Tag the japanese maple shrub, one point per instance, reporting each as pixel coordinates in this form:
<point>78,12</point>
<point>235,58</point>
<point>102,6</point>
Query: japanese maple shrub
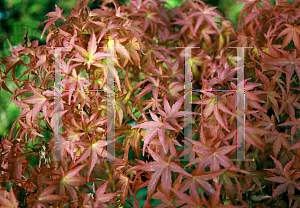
<point>149,63</point>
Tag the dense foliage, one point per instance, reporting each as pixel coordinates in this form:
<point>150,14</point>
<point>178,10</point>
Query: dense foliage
<point>149,109</point>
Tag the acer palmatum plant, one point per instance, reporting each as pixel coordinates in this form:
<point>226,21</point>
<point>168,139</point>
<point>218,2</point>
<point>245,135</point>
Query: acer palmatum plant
<point>149,91</point>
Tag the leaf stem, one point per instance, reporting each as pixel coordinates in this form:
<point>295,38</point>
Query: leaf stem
<point>107,166</point>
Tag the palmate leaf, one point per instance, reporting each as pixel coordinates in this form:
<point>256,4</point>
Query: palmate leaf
<point>99,198</point>
<point>154,86</point>
<point>205,13</point>
<point>199,178</point>
<point>90,56</point>
<point>124,186</point>
<point>253,135</point>
<point>42,199</point>
<point>279,139</point>
<point>186,21</point>
<point>214,202</point>
<point>290,101</point>
<point>156,127</point>
<point>14,60</point>
<point>170,143</point>
<point>39,102</point>
<point>168,201</point>
<point>54,16</point>
<point>290,61</point>
<point>9,201</point>
<point>93,150</point>
<point>163,168</point>
<point>252,99</point>
<point>286,177</point>
<point>271,94</point>
<point>192,201</point>
<point>171,113</point>
<point>295,123</point>
<point>212,105</point>
<point>292,33</point>
<point>66,181</point>
<point>119,50</point>
<point>133,47</point>
<point>214,157</point>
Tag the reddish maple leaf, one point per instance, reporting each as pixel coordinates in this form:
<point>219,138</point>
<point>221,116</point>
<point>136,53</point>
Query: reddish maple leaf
<point>174,88</point>
<point>58,14</point>
<point>253,135</point>
<point>214,157</point>
<point>93,150</point>
<point>133,47</point>
<point>168,201</point>
<point>90,56</point>
<point>271,94</point>
<point>290,102</point>
<point>269,123</point>
<point>151,20</point>
<point>150,103</point>
<point>252,99</point>
<point>174,71</point>
<point>39,102</point>
<point>199,178</point>
<point>66,181</point>
<point>163,168</point>
<point>295,123</point>
<point>205,13</point>
<point>154,87</point>
<point>124,186</point>
<point>119,49</point>
<point>214,202</point>
<point>171,113</point>
<point>279,139</point>
<point>44,197</point>
<point>99,198</point>
<point>192,201</point>
<point>170,143</point>
<point>164,35</point>
<point>156,127</point>
<point>297,201</point>
<point>213,104</point>
<point>291,62</point>
<point>285,176</point>
<point>9,200</point>
<point>293,33</point>
<point>14,60</point>
<point>168,198</point>
<point>186,20</point>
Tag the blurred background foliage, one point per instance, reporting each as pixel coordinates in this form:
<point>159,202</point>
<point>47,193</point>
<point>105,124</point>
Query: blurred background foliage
<point>17,14</point>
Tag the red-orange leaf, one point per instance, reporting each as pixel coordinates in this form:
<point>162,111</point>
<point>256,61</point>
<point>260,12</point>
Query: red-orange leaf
<point>293,33</point>
<point>163,168</point>
<point>54,16</point>
<point>9,201</point>
<point>156,127</point>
